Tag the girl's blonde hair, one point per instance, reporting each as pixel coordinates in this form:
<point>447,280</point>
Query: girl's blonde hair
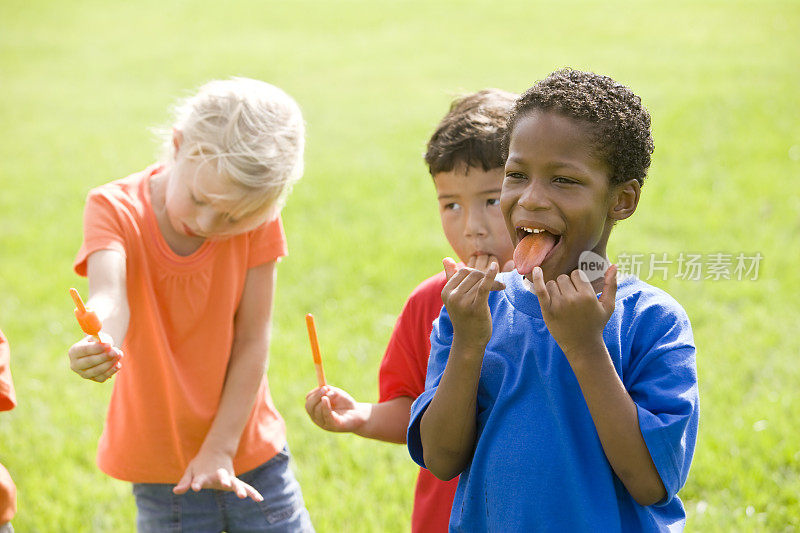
<point>251,132</point>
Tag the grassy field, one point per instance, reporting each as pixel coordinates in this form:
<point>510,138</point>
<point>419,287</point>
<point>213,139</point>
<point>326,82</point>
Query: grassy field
<point>83,81</point>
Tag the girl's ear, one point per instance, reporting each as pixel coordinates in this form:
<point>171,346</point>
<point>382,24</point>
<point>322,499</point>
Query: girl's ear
<point>624,199</point>
<point>177,140</point>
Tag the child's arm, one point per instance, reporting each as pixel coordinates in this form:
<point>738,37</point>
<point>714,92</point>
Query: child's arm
<point>447,429</point>
<point>333,409</point>
<point>212,467</point>
<point>575,318</point>
<point>108,297</point>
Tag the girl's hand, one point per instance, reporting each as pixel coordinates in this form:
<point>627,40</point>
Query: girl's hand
<point>466,297</point>
<point>333,409</point>
<point>95,360</point>
<point>574,315</point>
<point>214,470</point>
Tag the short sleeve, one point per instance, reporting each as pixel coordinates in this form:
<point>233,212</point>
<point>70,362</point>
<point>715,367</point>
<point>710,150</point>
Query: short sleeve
<point>267,243</point>
<point>662,381</point>
<point>441,341</point>
<point>8,399</point>
<point>404,364</point>
<point>102,230</point>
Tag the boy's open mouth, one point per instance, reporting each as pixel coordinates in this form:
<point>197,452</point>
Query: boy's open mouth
<point>534,245</point>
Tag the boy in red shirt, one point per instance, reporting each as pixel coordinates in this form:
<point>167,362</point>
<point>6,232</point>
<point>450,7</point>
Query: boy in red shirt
<point>8,491</point>
<point>465,161</point>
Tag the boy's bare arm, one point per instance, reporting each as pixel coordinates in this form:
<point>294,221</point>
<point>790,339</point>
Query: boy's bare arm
<point>388,421</point>
<point>447,428</point>
<point>333,409</point>
<point>575,318</point>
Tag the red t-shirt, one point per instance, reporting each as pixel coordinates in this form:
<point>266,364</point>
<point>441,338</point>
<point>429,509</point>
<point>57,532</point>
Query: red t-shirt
<point>402,373</point>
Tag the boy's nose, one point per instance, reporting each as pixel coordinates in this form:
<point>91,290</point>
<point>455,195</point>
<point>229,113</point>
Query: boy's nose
<point>534,196</point>
<point>476,223</point>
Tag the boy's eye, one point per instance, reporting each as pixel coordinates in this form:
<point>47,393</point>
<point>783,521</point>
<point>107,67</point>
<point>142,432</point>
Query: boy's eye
<point>493,201</point>
<point>562,179</point>
<point>452,206</point>
<point>517,176</point>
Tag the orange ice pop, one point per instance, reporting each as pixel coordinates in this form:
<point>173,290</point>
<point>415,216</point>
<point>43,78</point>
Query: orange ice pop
<point>312,337</point>
<point>87,318</point>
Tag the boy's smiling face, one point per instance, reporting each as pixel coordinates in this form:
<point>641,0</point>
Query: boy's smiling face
<point>469,206</point>
<point>556,200</point>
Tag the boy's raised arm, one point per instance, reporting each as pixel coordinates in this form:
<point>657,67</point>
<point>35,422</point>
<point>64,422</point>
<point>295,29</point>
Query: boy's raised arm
<point>447,428</point>
<point>576,318</point>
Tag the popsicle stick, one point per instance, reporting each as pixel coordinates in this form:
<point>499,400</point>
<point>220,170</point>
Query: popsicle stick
<point>312,337</point>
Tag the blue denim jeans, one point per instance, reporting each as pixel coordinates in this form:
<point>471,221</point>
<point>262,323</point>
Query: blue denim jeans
<point>213,511</point>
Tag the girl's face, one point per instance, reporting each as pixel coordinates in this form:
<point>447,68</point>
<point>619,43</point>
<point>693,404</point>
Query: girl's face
<point>195,203</point>
<point>556,198</point>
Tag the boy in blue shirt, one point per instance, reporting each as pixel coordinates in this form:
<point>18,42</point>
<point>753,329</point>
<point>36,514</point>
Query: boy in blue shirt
<point>566,404</point>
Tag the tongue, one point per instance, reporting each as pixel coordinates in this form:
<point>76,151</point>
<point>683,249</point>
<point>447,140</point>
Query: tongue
<point>531,251</point>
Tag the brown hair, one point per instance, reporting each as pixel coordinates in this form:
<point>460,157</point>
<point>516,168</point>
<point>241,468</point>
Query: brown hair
<point>471,132</point>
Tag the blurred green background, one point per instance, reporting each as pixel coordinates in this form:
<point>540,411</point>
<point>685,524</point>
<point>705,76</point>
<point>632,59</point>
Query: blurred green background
<point>83,82</point>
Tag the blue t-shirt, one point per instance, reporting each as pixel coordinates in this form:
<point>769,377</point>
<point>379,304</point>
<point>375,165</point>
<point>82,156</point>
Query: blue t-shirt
<point>538,464</point>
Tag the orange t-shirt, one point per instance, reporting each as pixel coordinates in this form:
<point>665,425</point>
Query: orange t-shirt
<point>8,398</point>
<point>8,491</point>
<point>179,338</point>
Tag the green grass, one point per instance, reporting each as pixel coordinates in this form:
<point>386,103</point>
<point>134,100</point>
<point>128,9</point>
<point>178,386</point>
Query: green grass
<point>82,82</point>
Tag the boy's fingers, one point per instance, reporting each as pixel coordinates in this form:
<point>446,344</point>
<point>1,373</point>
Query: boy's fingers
<point>455,280</point>
<point>509,266</point>
<point>553,291</point>
<point>487,283</point>
<point>472,261</point>
<point>581,282</point>
<point>565,284</point>
<point>609,289</point>
<point>539,288</point>
<point>327,411</point>
<point>449,267</point>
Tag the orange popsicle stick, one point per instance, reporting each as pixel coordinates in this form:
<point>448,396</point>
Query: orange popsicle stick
<point>87,318</point>
<point>312,338</point>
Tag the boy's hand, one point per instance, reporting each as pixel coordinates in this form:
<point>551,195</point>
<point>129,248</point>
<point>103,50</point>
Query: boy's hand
<point>333,409</point>
<point>210,470</point>
<point>94,360</point>
<point>482,262</point>
<point>466,297</point>
<point>574,315</point>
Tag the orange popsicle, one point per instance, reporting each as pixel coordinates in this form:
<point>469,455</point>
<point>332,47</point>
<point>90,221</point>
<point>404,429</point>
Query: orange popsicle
<point>312,337</point>
<point>87,318</point>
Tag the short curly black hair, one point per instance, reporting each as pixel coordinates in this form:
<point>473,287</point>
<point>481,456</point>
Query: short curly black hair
<point>619,123</point>
<point>471,133</point>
